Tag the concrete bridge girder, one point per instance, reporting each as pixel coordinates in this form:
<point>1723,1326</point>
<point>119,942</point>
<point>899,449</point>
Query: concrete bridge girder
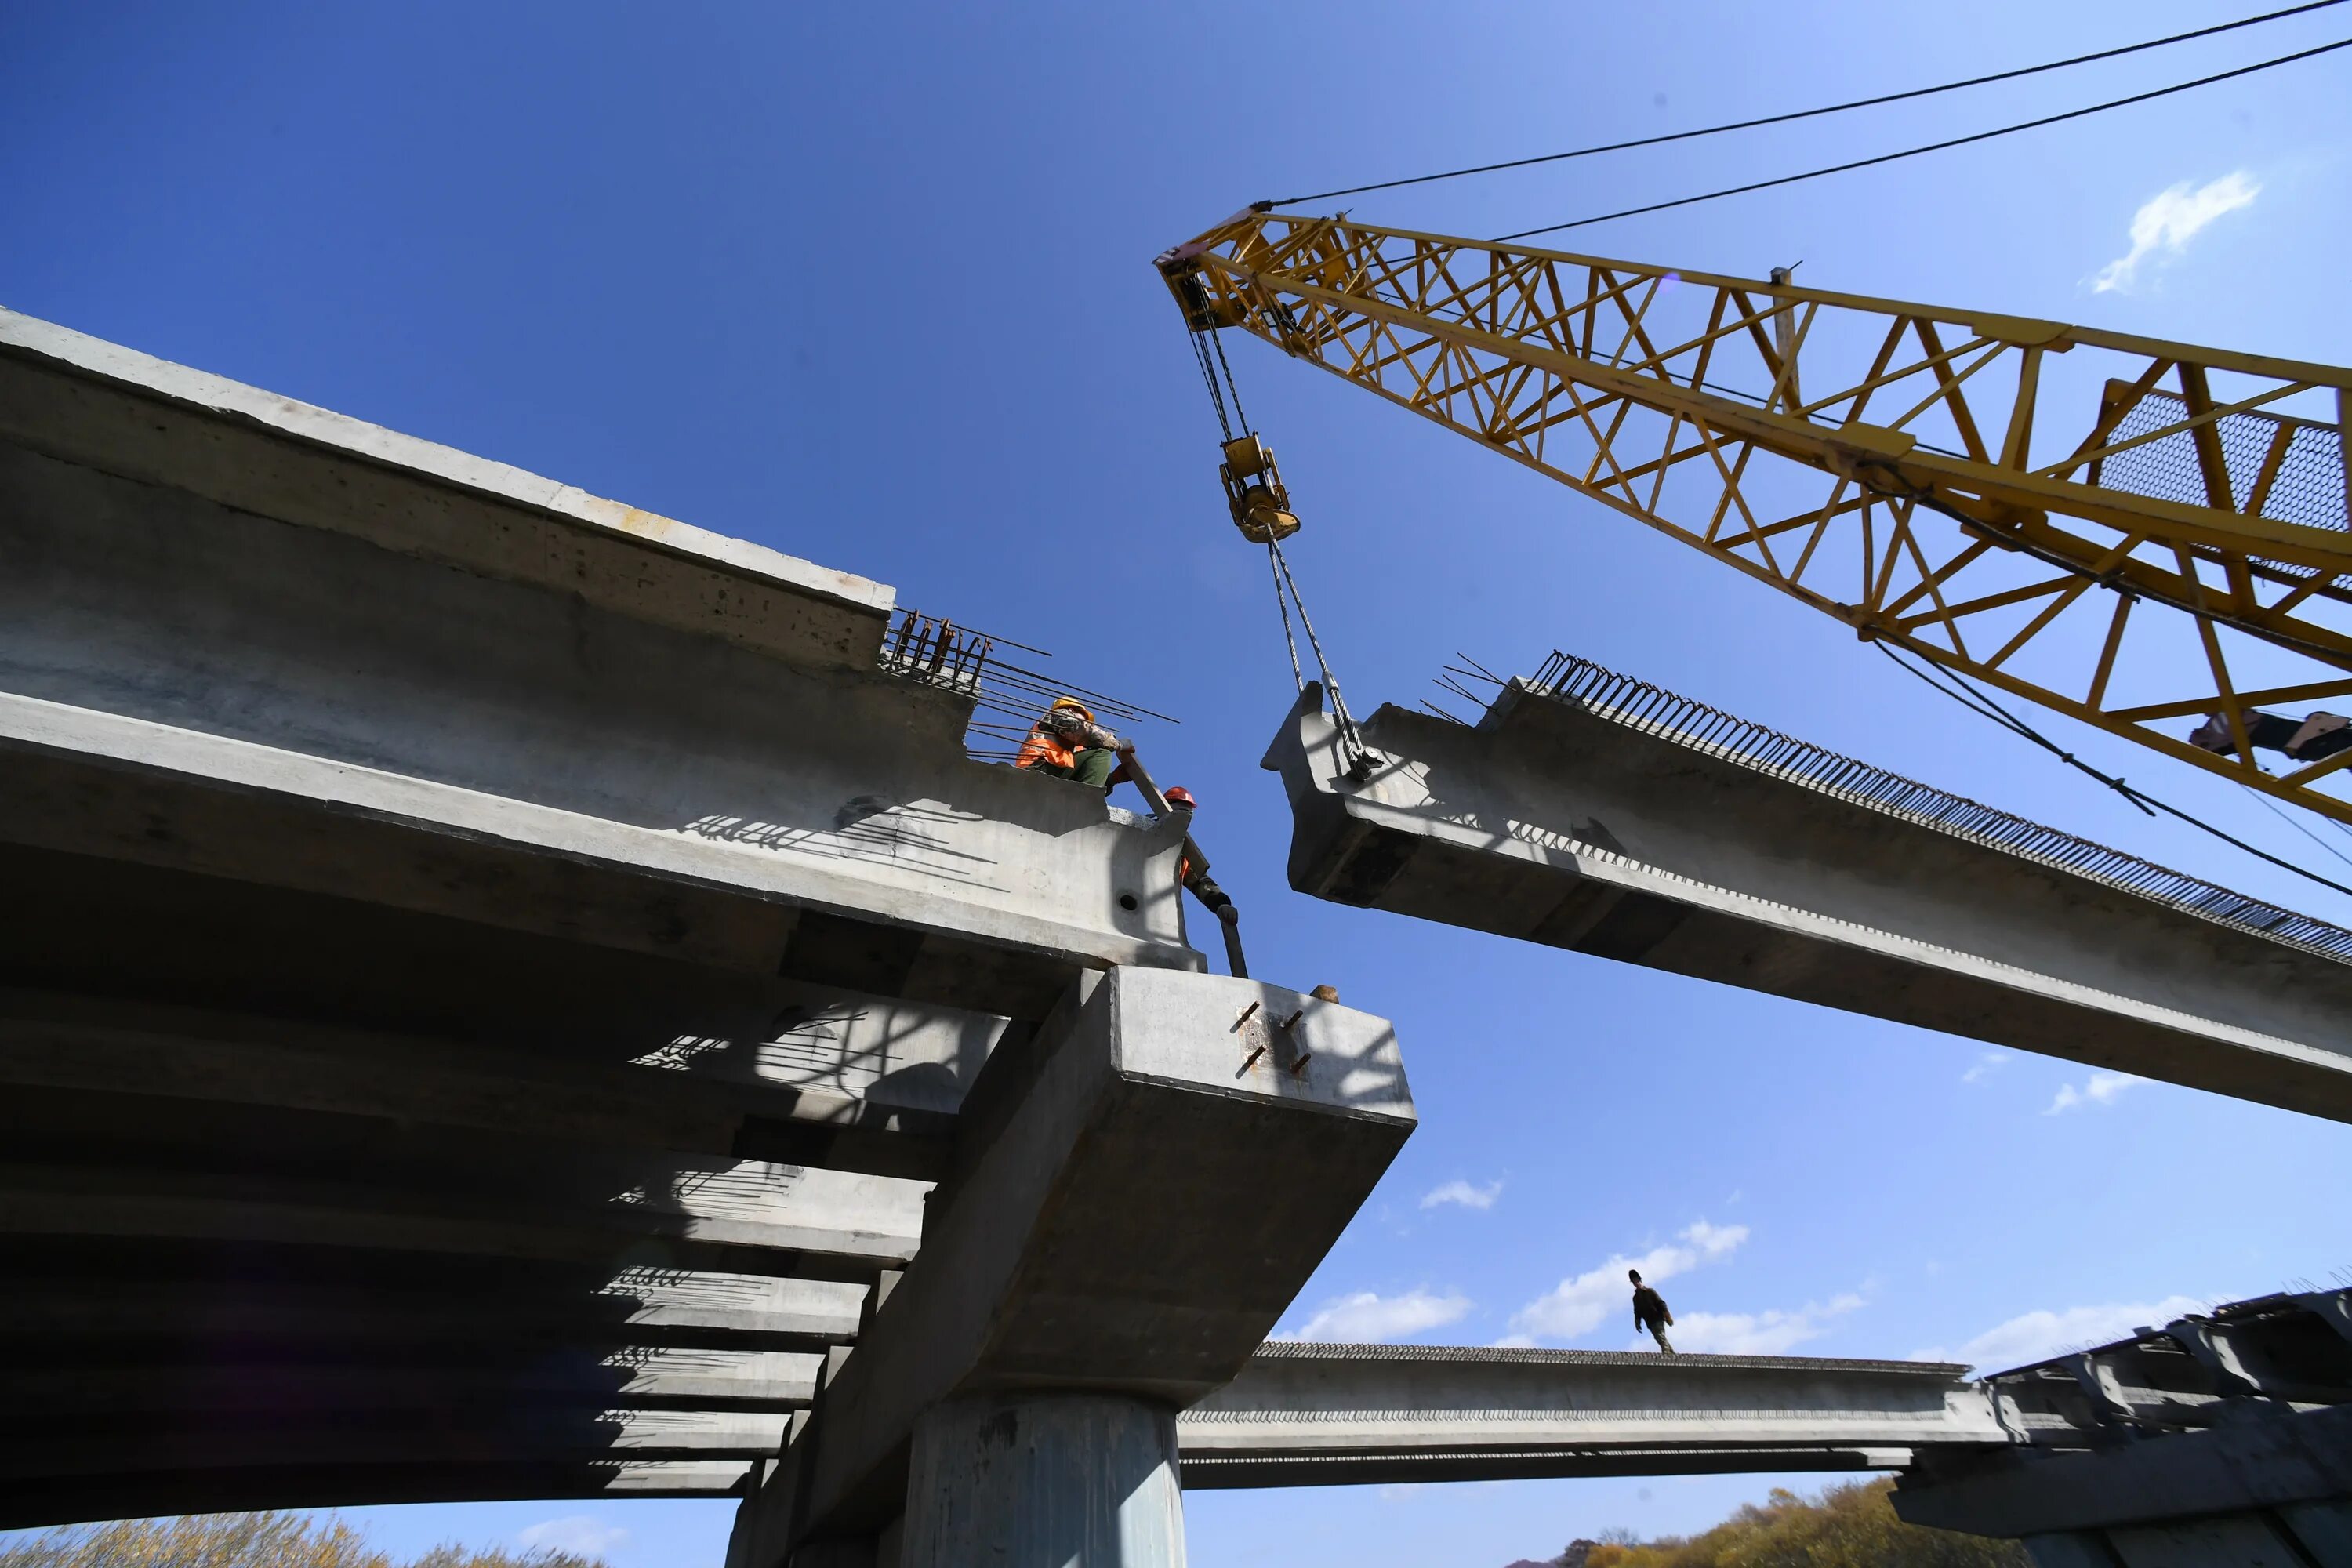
<point>1559,824</point>
<point>491,976</point>
<point>261,641</point>
<point>1342,1414</point>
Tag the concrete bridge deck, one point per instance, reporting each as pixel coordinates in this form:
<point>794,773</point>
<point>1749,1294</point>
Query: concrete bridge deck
<point>1601,816</point>
<point>494,981</point>
<point>506,995</point>
<point>1326,1414</point>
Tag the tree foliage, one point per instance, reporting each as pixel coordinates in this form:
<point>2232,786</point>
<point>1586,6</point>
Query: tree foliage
<point>1848,1526</point>
<point>248,1540</point>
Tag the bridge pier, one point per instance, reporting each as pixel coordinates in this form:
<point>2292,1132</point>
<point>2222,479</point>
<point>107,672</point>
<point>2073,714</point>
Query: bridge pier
<point>1042,1481</point>
<point>1134,1196</point>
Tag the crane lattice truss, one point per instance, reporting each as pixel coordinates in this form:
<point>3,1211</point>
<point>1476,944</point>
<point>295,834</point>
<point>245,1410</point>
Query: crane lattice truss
<point>2131,532</point>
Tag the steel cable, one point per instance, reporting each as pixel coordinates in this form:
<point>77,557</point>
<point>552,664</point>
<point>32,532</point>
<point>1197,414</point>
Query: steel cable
<point>1931,146</point>
<point>1808,113</point>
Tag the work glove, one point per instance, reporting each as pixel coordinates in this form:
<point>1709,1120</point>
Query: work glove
<point>1230,915</point>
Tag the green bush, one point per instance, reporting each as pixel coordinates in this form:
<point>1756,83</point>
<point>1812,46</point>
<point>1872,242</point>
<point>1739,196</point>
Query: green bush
<point>1848,1526</point>
<point>247,1541</point>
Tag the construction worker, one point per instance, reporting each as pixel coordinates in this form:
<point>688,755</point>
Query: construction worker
<point>1650,1313</point>
<point>2320,735</point>
<point>1195,876</point>
<point>1067,743</point>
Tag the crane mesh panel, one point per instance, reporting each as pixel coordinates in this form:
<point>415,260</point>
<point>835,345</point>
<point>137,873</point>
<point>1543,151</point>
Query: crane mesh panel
<point>2308,489</point>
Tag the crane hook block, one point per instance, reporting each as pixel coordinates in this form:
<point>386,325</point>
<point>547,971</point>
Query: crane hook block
<point>1254,492</point>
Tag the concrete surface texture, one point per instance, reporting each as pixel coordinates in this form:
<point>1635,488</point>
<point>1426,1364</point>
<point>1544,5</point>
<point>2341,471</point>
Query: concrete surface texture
<point>1567,823</point>
<point>224,609</point>
<point>1040,1481</point>
<point>1136,1195</point>
<point>490,976</point>
<point>2223,1439</point>
<point>1307,1415</point>
<point>505,995</point>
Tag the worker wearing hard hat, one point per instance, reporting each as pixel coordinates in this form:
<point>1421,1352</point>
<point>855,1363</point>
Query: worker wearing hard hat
<point>1067,743</point>
<point>1192,869</point>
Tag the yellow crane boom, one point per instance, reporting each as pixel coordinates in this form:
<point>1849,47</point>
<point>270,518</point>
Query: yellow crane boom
<point>2132,532</point>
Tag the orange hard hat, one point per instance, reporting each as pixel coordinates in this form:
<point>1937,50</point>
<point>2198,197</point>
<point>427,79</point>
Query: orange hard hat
<point>1178,795</point>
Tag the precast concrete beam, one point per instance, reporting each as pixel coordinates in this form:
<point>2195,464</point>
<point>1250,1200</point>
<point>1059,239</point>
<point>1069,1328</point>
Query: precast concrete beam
<point>692,1094</point>
<point>1139,1194</point>
<point>1305,1414</point>
<point>308,652</point>
<point>287,1300</point>
<point>81,938</point>
<point>109,409</point>
<point>1595,829</point>
<point>2286,1459</point>
<point>688,1213</point>
<point>105,786</point>
<point>364,1379</point>
<point>50,1500</point>
<point>140,1444</point>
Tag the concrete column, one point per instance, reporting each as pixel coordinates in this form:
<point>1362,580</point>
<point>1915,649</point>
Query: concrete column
<point>1045,1480</point>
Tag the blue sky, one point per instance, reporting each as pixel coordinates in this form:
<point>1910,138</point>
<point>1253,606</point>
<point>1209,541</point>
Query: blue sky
<point>872,286</point>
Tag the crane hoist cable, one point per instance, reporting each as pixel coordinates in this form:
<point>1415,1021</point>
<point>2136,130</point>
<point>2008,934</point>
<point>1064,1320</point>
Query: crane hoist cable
<point>1260,505</point>
<point>1969,697</point>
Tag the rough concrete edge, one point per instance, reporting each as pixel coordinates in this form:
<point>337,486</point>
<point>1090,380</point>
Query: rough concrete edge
<point>1607,866</point>
<point>401,801</point>
<point>1544,847</point>
<point>219,397</point>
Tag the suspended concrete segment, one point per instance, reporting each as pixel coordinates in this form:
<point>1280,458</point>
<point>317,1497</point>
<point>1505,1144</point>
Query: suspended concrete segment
<point>1599,815</point>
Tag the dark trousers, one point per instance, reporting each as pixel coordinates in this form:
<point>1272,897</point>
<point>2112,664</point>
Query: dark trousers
<point>1091,767</point>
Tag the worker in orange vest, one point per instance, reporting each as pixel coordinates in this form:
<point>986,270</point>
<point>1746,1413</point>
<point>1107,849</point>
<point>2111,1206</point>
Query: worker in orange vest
<point>1067,743</point>
<point>1193,874</point>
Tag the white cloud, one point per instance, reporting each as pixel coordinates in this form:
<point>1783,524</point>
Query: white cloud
<point>582,1533</point>
<point>1366,1318</point>
<point>1464,1193</point>
<point>2039,1335</point>
<point>2168,220</point>
<point>2101,1088</point>
<point>1581,1304</point>
<point>1755,1334</point>
<point>1986,1064</point>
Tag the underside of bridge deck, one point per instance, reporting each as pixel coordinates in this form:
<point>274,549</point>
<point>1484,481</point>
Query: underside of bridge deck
<point>490,977</point>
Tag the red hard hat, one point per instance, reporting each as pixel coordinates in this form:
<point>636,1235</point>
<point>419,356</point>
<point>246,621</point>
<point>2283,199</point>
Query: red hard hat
<point>1178,795</point>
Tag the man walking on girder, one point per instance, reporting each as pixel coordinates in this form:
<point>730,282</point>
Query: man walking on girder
<point>1650,1313</point>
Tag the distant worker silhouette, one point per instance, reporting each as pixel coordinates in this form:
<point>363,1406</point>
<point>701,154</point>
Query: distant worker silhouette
<point>1650,1311</point>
